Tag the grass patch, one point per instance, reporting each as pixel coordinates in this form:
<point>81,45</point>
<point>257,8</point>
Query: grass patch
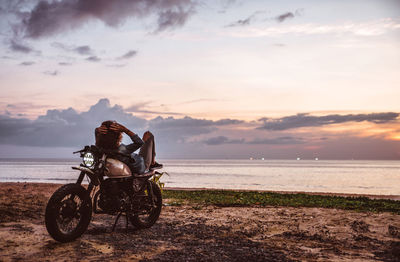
<point>253,198</point>
<point>174,202</point>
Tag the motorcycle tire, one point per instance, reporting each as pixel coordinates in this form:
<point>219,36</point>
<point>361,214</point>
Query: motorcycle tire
<point>62,207</point>
<point>148,221</point>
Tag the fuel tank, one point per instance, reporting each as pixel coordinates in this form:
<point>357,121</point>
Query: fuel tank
<point>117,169</point>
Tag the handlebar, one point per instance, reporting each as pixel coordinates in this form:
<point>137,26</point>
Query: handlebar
<point>78,151</point>
<point>86,148</point>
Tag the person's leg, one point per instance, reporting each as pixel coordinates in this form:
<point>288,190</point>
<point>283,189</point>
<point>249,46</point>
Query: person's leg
<point>147,149</point>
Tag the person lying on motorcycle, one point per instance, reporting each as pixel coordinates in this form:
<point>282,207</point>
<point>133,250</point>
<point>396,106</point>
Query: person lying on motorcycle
<point>109,137</point>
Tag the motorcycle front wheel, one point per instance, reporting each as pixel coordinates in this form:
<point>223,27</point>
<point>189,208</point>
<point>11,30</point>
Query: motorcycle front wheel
<point>150,207</point>
<point>68,213</point>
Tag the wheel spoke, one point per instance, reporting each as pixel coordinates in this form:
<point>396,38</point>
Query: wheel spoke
<point>149,207</point>
<point>69,213</point>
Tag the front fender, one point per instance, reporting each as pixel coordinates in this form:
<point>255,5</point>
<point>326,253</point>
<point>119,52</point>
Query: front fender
<point>93,177</point>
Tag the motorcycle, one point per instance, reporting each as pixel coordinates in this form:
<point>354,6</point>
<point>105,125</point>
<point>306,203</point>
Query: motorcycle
<point>113,189</point>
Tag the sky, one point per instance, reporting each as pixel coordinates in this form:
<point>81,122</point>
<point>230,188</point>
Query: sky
<point>211,79</point>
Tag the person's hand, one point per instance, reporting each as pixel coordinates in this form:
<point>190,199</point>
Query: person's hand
<point>116,127</point>
<point>102,130</point>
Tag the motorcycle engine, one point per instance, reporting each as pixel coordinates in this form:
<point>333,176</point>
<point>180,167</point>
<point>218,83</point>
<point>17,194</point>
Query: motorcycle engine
<point>112,197</point>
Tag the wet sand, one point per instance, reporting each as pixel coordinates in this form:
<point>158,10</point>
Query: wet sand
<point>199,233</point>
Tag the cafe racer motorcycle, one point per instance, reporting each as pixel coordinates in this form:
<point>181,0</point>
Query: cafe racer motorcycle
<point>112,189</point>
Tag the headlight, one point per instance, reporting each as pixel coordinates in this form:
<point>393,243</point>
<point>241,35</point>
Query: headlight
<point>88,159</point>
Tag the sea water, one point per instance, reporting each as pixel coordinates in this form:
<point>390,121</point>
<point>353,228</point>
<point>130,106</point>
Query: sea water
<point>332,176</point>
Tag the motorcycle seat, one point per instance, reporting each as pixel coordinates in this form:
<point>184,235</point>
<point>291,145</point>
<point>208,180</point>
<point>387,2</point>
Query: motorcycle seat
<point>145,174</point>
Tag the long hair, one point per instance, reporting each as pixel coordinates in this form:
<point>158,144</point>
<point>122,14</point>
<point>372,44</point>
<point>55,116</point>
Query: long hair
<point>111,140</point>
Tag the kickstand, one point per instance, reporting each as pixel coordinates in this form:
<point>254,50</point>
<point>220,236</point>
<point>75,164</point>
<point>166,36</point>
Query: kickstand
<point>116,220</point>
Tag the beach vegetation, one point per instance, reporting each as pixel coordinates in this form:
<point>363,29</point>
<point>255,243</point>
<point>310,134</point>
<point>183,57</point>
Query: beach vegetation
<point>231,198</point>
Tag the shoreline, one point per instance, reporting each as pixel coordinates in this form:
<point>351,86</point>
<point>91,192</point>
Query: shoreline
<point>370,196</point>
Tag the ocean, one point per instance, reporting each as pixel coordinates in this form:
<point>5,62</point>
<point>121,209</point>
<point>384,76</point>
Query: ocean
<point>331,176</point>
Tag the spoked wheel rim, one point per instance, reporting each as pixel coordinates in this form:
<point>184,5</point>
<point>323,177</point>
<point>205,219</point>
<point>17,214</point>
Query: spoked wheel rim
<point>69,213</point>
<point>149,208</point>
<point>149,211</point>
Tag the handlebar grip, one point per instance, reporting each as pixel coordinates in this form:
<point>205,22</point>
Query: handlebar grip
<point>78,151</point>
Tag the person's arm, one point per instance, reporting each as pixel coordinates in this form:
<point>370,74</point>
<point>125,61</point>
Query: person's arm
<point>137,141</point>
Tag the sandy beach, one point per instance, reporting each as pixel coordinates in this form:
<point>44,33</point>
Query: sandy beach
<point>199,233</point>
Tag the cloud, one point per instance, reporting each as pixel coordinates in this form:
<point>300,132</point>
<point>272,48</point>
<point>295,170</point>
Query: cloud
<point>306,120</point>
<point>64,64</point>
<point>51,73</point>
<point>128,55</point>
<point>283,17</point>
<point>180,130</point>
<point>93,59</point>
<point>25,109</point>
<point>81,50</point>
<point>69,128</point>
<point>61,46</point>
<point>246,21</point>
<point>228,121</point>
<point>182,137</point>
<point>372,28</point>
<point>141,108</point>
<point>49,18</point>
<point>253,17</point>
<point>63,128</point>
<point>187,121</point>
<point>19,47</point>
<point>27,63</point>
<point>25,106</point>
<point>15,6</point>
<point>6,57</point>
<point>240,22</point>
<point>220,140</point>
<point>173,18</point>
<point>284,140</point>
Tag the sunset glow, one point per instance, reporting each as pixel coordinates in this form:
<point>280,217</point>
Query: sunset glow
<point>289,76</point>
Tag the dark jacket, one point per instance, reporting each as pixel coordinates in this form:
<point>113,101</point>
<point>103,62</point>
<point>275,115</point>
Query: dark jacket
<point>125,153</point>
<point>129,149</point>
<point>134,161</point>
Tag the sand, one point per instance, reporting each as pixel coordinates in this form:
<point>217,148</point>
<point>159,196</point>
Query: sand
<point>199,233</point>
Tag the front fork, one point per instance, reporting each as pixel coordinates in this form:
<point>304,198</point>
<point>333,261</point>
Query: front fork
<point>79,182</point>
<point>80,178</point>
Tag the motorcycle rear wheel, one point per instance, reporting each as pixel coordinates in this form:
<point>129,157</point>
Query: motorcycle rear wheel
<point>68,213</point>
<point>153,213</point>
